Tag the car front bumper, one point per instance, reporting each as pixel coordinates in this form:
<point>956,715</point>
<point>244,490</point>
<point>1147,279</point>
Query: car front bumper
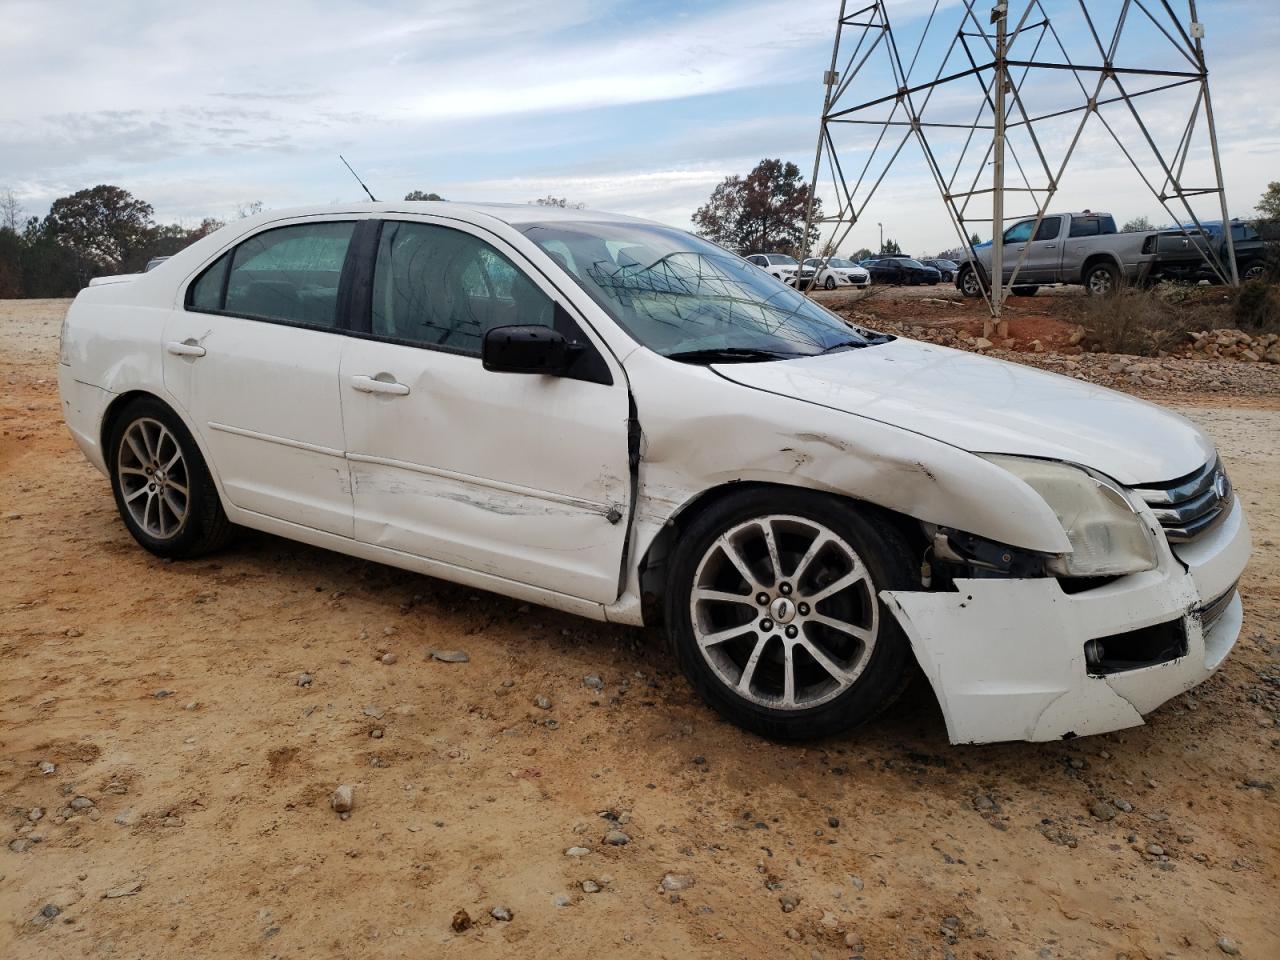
<point>1006,657</point>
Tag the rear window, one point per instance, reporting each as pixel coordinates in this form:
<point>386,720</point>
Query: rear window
<point>290,274</point>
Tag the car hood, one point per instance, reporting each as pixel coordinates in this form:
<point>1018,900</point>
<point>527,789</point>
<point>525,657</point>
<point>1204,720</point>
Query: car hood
<point>986,405</point>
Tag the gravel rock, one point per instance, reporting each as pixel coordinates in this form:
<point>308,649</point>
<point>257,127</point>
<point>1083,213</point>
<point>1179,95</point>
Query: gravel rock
<point>49,911</point>
<point>305,679</point>
<point>788,902</point>
<point>593,681</point>
<point>616,838</point>
<point>35,813</point>
<point>46,768</point>
<point>20,845</point>
<point>674,882</point>
<point>503,914</point>
<point>450,656</point>
<point>562,900</point>
<point>576,852</point>
<point>1102,810</point>
<point>461,921</point>
<point>388,658</point>
<point>984,804</point>
<point>343,799</point>
<point>127,889</point>
<point>590,886</point>
<point>833,822</point>
<point>1228,946</point>
<point>1155,849</point>
<point>541,702</point>
<point>81,803</point>
<point>375,712</point>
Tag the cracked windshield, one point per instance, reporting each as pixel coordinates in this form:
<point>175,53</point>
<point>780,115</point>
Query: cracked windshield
<point>688,299</point>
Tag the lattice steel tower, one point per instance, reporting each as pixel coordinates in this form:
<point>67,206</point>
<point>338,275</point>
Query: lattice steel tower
<point>1031,85</point>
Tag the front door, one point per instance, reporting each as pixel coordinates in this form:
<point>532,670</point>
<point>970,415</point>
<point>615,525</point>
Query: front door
<point>523,477</point>
<point>1044,253</point>
<point>253,359</point>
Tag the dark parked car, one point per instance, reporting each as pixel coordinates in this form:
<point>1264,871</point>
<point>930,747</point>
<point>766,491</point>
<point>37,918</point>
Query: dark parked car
<point>901,270</point>
<point>1181,256</point>
<point>947,268</point>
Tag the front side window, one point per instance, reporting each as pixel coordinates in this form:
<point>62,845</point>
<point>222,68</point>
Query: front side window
<point>439,287</point>
<point>1048,229</point>
<point>290,274</point>
<point>679,294</point>
<point>1019,232</point>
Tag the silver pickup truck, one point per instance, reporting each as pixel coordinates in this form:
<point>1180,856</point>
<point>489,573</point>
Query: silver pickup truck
<point>1076,248</point>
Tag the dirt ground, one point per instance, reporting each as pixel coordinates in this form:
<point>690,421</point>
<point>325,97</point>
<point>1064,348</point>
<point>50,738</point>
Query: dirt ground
<point>171,696</point>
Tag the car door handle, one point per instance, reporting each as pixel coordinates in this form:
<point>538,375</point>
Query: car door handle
<point>374,385</point>
<point>184,348</point>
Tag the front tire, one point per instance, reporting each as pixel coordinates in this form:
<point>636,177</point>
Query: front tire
<point>772,606</point>
<point>969,285</point>
<point>161,484</point>
<point>830,283</point>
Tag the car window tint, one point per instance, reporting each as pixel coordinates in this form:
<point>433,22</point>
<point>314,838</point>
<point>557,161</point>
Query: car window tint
<point>1019,232</point>
<point>1049,228</point>
<point>206,292</point>
<point>1085,227</point>
<point>290,274</point>
<point>435,286</point>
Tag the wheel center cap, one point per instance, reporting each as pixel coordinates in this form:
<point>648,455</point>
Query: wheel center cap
<point>783,610</point>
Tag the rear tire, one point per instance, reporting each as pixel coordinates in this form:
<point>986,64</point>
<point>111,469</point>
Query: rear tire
<point>1102,280</point>
<point>162,487</point>
<point>738,652</point>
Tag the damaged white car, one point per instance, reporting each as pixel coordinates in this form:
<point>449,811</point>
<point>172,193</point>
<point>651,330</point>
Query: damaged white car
<point>618,419</point>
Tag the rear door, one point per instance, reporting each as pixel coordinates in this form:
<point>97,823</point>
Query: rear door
<point>524,477</point>
<point>253,359</point>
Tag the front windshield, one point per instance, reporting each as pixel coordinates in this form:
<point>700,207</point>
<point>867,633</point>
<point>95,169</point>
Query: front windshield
<point>841,264</point>
<point>679,294</point>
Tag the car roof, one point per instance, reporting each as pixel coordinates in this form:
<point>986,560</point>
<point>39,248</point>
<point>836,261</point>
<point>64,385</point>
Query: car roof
<point>514,214</point>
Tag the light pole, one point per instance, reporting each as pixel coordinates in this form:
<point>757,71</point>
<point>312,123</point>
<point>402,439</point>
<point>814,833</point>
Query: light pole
<point>881,226</point>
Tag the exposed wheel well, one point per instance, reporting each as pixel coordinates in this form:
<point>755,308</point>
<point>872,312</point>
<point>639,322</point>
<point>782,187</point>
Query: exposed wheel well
<point>115,408</point>
<point>1095,259</point>
<point>653,565</point>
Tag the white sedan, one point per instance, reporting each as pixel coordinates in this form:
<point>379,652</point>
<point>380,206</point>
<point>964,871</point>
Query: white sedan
<point>618,419</point>
<point>836,272</point>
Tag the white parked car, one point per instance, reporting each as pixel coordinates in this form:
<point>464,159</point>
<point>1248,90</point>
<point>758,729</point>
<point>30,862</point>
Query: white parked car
<point>618,419</point>
<point>838,272</point>
<point>778,265</point>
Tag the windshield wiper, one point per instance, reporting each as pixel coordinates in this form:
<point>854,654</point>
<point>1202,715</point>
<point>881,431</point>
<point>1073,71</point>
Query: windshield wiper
<point>729,355</point>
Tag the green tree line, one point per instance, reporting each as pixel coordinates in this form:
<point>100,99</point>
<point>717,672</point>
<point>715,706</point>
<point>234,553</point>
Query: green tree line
<point>94,232</point>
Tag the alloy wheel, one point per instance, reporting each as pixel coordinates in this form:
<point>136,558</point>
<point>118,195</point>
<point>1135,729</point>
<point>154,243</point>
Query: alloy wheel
<point>154,482</point>
<point>784,611</point>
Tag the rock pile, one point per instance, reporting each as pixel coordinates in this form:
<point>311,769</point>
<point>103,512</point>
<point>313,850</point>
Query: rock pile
<point>1237,345</point>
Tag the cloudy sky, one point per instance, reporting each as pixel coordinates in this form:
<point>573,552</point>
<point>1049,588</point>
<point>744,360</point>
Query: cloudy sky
<point>638,107</point>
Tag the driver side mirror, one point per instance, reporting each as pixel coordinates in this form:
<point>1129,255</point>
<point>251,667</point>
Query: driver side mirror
<point>527,349</point>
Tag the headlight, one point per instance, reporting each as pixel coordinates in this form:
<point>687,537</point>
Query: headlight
<point>1107,536</point>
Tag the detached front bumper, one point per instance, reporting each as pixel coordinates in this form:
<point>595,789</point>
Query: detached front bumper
<point>1006,657</point>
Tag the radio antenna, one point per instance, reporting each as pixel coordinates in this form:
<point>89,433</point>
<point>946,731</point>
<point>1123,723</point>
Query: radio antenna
<point>358,180</point>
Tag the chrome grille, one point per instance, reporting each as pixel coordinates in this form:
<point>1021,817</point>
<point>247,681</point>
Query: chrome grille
<point>1190,505</point>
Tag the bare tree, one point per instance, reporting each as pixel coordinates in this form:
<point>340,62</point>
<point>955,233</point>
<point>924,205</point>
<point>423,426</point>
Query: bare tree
<point>248,209</point>
<point>10,211</point>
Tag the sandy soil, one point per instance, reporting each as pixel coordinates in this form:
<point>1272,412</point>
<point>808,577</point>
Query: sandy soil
<point>169,696</point>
